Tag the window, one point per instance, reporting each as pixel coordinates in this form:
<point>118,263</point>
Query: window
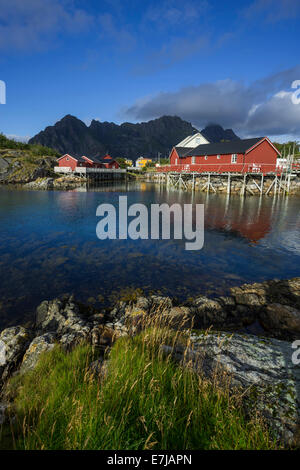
<point>176,161</point>
<point>198,140</point>
<point>234,158</point>
<point>218,157</point>
<point>193,159</point>
<point>205,158</point>
<point>67,159</point>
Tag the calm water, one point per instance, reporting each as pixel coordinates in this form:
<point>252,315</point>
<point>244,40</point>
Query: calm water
<point>49,247</point>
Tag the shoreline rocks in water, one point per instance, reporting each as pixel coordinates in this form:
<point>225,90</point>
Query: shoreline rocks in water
<point>64,182</point>
<point>259,362</point>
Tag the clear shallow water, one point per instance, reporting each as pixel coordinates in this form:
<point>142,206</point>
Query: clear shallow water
<point>49,247</point>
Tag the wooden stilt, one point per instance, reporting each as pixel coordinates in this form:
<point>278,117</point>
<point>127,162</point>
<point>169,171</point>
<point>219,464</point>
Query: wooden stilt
<point>262,184</point>
<point>243,189</point>
<point>228,184</point>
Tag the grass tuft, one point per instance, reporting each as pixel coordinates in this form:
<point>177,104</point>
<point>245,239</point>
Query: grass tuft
<point>145,401</point>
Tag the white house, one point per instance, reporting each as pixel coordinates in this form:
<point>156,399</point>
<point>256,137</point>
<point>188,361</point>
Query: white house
<point>193,141</point>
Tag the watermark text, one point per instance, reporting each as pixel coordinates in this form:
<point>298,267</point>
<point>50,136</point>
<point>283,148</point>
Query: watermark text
<point>162,222</point>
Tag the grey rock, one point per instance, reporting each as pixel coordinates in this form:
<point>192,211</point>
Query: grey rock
<point>262,367</point>
<point>159,304</point>
<point>44,183</point>
<point>208,313</point>
<point>14,341</point>
<point>282,320</point>
<point>38,345</point>
<point>179,318</point>
<point>63,317</point>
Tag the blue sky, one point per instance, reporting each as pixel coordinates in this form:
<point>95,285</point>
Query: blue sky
<point>229,62</point>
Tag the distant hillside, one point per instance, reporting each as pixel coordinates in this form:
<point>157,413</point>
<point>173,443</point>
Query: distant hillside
<point>71,135</point>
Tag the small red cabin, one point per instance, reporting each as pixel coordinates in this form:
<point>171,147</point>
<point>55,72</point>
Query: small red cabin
<point>71,162</point>
<point>88,162</point>
<point>93,162</point>
<point>257,155</point>
<point>109,162</point>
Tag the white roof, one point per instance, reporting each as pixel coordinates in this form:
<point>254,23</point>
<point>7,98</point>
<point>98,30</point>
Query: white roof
<point>193,141</point>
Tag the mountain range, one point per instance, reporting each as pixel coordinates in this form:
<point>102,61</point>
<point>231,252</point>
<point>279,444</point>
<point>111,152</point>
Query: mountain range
<point>73,136</point>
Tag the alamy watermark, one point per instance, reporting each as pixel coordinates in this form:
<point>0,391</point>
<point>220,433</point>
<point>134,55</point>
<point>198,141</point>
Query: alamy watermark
<point>146,225</point>
<point>296,354</point>
<point>2,92</point>
<point>296,95</point>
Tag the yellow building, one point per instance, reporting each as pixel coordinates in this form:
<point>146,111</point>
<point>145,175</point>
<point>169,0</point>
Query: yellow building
<point>128,162</point>
<point>141,162</point>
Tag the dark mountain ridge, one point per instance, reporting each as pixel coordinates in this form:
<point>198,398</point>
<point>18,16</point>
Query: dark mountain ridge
<point>71,135</point>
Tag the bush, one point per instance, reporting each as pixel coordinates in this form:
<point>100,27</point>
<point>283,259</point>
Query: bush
<point>145,402</point>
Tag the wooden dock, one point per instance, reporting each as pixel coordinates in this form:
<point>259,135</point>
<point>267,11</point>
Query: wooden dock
<point>252,183</point>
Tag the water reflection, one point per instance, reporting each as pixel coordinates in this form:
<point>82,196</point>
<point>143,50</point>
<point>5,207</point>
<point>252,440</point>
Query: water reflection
<point>49,246</point>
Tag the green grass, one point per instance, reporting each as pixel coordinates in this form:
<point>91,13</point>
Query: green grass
<point>145,402</point>
<point>33,149</point>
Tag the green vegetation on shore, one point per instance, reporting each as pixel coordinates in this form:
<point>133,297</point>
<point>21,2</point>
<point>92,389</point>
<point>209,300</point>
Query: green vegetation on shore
<point>22,163</point>
<point>33,149</point>
<point>143,401</point>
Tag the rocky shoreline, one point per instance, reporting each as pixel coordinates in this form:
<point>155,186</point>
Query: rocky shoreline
<point>261,364</point>
<point>62,183</point>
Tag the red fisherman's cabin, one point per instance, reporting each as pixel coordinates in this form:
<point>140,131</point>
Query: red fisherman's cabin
<point>257,155</point>
<point>93,162</point>
<point>72,162</point>
<point>109,162</point>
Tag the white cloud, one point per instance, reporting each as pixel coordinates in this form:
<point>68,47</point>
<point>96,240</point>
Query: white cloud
<point>273,10</point>
<point>31,24</point>
<point>19,138</point>
<point>263,107</point>
<point>173,12</point>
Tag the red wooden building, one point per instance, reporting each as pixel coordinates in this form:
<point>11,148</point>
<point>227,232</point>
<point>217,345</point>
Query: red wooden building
<point>93,162</point>
<point>72,162</point>
<point>109,162</point>
<point>88,162</point>
<point>239,156</point>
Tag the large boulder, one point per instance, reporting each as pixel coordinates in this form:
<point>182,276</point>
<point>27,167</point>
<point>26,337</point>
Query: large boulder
<point>38,345</point>
<point>257,295</point>
<point>208,312</point>
<point>262,368</point>
<point>13,344</point>
<point>281,320</point>
<point>71,322</point>
<point>64,317</point>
